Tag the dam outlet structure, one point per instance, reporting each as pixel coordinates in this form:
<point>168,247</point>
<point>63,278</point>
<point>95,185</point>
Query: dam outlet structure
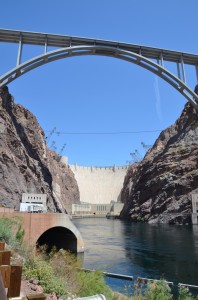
<point>47,229</point>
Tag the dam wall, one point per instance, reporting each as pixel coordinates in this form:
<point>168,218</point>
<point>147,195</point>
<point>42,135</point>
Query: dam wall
<point>99,184</point>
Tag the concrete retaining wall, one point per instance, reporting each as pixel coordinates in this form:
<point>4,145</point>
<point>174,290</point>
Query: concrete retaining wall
<point>35,224</point>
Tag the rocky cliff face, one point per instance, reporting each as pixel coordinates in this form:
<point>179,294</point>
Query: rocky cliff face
<point>26,163</point>
<point>159,188</point>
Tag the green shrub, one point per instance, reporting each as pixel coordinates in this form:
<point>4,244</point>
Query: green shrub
<point>11,231</point>
<point>42,270</point>
<point>184,294</point>
<point>60,273</point>
<point>158,290</point>
<point>20,234</point>
<point>66,265</point>
<point>91,283</point>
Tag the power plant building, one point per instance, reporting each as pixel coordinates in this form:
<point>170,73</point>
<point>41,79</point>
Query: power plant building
<point>33,203</point>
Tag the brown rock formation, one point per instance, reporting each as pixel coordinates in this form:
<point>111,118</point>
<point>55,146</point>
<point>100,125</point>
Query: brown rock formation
<point>26,163</point>
<point>64,185</point>
<point>159,189</point>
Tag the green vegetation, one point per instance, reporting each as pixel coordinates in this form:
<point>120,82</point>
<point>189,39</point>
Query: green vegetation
<point>93,283</point>
<point>159,290</point>
<point>11,231</point>
<point>60,272</point>
<point>43,271</point>
<point>184,294</point>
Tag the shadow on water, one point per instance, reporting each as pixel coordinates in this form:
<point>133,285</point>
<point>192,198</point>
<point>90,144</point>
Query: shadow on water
<point>163,251</point>
<point>144,250</point>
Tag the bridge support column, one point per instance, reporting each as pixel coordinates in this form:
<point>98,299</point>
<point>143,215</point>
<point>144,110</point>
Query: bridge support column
<point>196,68</point>
<point>183,70</point>
<point>19,52</point>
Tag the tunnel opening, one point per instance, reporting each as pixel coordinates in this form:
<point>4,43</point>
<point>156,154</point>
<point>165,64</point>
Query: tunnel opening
<point>58,237</point>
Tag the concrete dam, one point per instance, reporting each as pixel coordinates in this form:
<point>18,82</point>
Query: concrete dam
<point>99,185</point>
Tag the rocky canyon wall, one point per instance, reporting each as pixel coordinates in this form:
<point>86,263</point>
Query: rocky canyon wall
<point>26,163</point>
<point>158,189</point>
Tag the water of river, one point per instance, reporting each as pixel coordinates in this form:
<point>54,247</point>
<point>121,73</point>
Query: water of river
<point>145,250</point>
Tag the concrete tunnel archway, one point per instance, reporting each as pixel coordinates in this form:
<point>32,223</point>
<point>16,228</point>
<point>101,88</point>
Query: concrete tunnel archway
<point>59,237</point>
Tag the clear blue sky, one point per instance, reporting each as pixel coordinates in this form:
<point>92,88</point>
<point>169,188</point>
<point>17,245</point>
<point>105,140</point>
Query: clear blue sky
<point>101,94</point>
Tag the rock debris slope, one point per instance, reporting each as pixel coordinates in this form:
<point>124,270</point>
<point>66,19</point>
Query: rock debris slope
<point>26,163</point>
<point>159,188</point>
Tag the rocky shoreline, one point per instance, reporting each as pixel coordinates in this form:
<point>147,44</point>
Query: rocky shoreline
<point>32,287</point>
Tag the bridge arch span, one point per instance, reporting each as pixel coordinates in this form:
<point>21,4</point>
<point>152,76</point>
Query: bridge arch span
<point>129,56</point>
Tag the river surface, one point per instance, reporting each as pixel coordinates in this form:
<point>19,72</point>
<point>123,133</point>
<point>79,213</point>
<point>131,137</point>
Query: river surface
<point>144,250</point>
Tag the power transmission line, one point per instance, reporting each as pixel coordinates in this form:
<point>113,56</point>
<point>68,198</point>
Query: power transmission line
<point>106,133</point>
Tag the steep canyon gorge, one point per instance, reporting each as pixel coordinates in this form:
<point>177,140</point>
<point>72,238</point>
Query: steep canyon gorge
<point>157,189</point>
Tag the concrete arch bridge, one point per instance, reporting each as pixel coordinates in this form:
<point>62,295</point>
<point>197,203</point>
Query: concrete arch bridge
<point>150,58</point>
<point>51,229</point>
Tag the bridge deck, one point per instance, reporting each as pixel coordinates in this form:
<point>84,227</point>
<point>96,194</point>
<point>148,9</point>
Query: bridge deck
<point>35,38</point>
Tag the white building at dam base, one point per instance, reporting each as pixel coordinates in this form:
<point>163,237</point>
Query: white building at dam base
<point>101,210</point>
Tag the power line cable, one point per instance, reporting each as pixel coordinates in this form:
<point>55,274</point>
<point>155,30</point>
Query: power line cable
<point>107,133</point>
